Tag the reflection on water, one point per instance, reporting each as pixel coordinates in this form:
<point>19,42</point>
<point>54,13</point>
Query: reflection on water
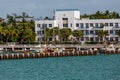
<point>100,67</point>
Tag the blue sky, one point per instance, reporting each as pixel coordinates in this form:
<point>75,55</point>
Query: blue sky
<point>42,8</point>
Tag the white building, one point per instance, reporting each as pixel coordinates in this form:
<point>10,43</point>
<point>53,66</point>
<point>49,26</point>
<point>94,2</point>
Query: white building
<point>70,18</point>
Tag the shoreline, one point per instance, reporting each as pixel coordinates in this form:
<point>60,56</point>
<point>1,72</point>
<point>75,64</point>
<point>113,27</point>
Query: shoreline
<point>28,54</point>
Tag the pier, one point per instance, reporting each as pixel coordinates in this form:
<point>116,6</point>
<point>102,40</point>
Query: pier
<point>65,50</point>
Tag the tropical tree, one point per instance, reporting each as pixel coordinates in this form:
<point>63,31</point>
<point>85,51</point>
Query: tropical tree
<point>78,34</point>
<point>54,32</point>
<point>13,34</point>
<point>1,31</point>
<point>102,15</point>
<point>107,14</point>
<point>102,34</point>
<point>25,31</point>
<point>65,33</point>
<point>6,33</point>
<point>47,34</point>
<point>11,19</point>
<point>28,36</point>
<point>118,34</point>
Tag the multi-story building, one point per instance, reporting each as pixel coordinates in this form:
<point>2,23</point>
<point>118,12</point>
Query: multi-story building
<point>70,18</point>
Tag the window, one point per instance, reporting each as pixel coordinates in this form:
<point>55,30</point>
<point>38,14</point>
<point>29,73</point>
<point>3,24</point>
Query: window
<point>96,32</point>
<point>101,25</point>
<point>44,26</point>
<point>116,32</point>
<point>87,32</point>
<point>116,39</point>
<point>106,24</point>
<point>65,25</point>
<point>50,25</point>
<point>77,24</point>
<point>38,39</point>
<point>97,38</point>
<point>82,39</point>
<point>87,25</point>
<point>91,24</point>
<point>65,18</point>
<point>81,25</point>
<point>111,38</point>
<point>96,24</point>
<point>65,22</point>
<point>116,24</point>
<point>38,25</point>
<point>38,32</point>
<point>91,32</point>
<point>111,24</point>
<point>111,31</point>
<point>91,39</point>
<point>71,25</point>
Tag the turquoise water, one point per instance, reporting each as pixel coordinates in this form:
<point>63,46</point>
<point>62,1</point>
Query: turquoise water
<point>100,67</point>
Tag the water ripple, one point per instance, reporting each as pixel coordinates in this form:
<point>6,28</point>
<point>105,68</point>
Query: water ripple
<point>100,67</point>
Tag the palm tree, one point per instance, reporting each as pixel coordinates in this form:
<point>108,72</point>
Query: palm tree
<point>25,31</point>
<point>55,32</point>
<point>1,31</point>
<point>47,34</point>
<point>65,33</point>
<point>107,14</point>
<point>6,33</point>
<point>102,34</point>
<point>77,34</point>
<point>118,34</point>
<point>13,34</point>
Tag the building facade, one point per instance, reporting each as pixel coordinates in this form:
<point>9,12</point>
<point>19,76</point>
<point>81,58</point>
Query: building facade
<point>70,18</point>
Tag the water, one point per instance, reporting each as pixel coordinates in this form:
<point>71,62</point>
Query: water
<point>100,67</point>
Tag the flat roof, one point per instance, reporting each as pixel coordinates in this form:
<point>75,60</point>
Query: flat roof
<point>66,10</point>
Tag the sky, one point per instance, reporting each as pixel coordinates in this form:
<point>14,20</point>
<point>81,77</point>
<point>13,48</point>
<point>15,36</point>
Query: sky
<point>43,8</point>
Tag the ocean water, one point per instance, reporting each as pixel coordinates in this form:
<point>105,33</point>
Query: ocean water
<point>99,67</point>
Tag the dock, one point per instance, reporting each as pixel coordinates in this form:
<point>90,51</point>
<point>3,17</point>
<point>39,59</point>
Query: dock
<point>65,50</point>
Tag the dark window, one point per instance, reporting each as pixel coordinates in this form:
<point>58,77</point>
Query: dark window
<point>38,39</point>
<point>82,39</point>
<point>116,24</point>
<point>106,24</point>
<point>71,25</point>
<point>91,24</point>
<point>87,25</point>
<point>91,39</point>
<point>50,25</point>
<point>111,31</point>
<point>44,26</point>
<point>65,18</point>
<point>111,24</point>
<point>65,25</point>
<point>91,32</point>
<point>116,38</point>
<point>77,25</point>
